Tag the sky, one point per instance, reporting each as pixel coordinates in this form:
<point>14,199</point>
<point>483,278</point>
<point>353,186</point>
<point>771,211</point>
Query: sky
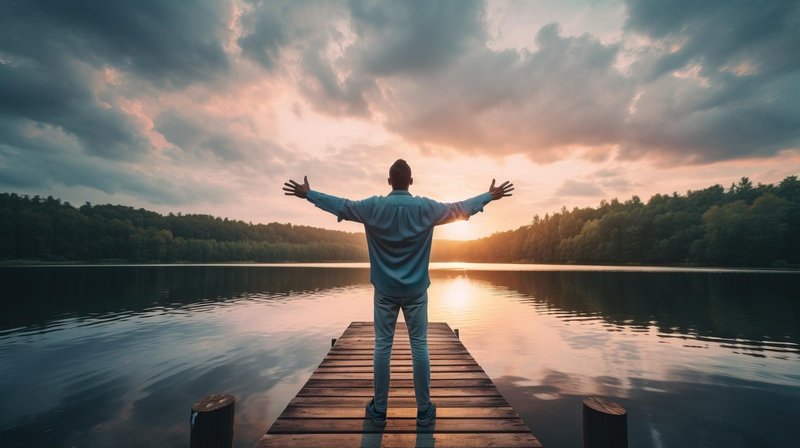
<point>208,106</point>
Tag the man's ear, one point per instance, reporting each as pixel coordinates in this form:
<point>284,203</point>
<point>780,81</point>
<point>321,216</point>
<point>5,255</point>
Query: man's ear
<point>389,180</point>
<point>411,181</point>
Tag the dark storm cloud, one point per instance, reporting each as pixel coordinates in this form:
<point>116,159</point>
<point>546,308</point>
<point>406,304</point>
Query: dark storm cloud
<point>414,36</point>
<point>565,93</point>
<point>742,95</point>
<point>265,31</point>
<point>167,43</point>
<point>55,92</point>
<point>52,51</point>
<point>721,33</point>
<point>48,160</point>
<point>718,82</point>
<point>203,137</point>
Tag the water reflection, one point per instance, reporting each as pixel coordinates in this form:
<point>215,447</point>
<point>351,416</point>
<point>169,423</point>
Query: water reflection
<point>99,356</point>
<point>41,294</point>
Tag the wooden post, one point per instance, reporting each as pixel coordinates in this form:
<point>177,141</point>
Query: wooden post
<point>605,424</point>
<point>456,332</point>
<point>211,421</point>
<point>333,342</point>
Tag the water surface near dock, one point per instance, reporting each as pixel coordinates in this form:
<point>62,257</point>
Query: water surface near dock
<point>98,356</point>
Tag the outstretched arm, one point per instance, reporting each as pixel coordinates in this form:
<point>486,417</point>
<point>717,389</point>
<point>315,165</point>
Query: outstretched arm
<point>445,213</point>
<point>343,208</point>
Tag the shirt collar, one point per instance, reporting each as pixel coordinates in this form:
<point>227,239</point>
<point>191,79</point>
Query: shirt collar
<point>400,192</point>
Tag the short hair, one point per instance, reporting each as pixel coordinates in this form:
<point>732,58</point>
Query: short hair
<point>400,173</point>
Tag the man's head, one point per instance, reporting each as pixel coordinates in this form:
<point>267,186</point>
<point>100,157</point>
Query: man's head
<point>400,175</point>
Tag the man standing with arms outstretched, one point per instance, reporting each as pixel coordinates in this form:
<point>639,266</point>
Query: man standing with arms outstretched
<point>399,231</point>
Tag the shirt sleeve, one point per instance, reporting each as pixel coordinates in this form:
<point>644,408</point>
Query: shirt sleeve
<point>344,209</point>
<point>442,213</point>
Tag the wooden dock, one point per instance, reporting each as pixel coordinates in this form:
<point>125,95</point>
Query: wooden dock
<point>329,410</point>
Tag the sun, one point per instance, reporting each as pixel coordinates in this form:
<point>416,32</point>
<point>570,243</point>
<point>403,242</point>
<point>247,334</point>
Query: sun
<point>459,230</point>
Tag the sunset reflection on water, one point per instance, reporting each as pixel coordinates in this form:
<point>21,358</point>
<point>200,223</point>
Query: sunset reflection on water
<point>692,355</point>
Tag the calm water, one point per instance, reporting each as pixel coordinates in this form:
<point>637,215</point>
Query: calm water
<point>114,356</point>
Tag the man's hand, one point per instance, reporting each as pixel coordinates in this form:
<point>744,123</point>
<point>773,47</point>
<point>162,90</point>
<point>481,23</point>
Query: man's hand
<point>502,191</point>
<point>295,189</point>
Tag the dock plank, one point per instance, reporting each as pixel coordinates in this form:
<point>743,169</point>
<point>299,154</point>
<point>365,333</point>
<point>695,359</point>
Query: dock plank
<point>328,411</point>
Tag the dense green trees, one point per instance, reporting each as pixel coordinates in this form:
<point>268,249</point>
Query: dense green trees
<point>744,225</point>
<point>36,228</point>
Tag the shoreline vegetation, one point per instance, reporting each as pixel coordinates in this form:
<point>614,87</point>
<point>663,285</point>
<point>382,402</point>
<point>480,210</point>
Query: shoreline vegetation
<point>744,225</point>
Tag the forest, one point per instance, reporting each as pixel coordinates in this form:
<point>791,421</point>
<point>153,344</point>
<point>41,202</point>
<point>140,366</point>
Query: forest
<point>743,225</point>
<point>47,229</point>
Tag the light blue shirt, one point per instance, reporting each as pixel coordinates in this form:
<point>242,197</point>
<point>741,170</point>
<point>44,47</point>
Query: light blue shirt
<point>399,231</point>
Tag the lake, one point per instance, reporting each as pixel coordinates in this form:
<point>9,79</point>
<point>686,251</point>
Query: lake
<point>97,356</point>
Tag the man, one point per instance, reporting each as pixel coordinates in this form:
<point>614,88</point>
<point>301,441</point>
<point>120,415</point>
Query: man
<point>399,231</point>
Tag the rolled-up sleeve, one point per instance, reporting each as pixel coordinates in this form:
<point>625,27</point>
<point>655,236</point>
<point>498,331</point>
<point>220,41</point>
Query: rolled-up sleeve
<point>344,209</point>
<point>442,213</point>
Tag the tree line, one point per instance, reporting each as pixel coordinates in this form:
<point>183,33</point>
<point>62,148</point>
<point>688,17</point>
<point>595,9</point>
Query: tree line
<point>47,229</point>
<point>743,225</point>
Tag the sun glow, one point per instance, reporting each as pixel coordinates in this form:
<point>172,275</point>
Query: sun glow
<point>457,295</point>
<point>459,230</point>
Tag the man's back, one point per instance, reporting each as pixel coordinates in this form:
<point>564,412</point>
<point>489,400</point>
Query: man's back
<point>399,230</point>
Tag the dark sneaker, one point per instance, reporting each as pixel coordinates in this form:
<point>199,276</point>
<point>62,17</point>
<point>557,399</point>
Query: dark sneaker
<point>425,418</point>
<point>378,418</point>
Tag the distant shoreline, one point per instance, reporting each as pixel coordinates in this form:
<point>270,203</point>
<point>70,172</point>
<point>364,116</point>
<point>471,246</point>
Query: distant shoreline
<point>437,265</point>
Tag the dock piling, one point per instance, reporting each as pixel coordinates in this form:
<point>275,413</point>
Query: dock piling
<point>605,424</point>
<point>211,421</point>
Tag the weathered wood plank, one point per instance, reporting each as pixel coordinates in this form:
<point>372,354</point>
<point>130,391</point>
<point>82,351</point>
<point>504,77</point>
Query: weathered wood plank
<point>396,412</point>
<point>398,356</point>
<point>399,392</point>
<point>400,369</point>
<point>473,425</point>
<point>400,376</point>
<point>389,440</point>
<point>460,382</point>
<point>328,362</point>
<point>399,402</point>
<point>369,351</point>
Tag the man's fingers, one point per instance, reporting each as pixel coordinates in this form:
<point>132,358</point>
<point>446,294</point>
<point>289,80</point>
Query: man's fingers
<point>305,180</point>
<point>289,189</point>
<point>508,189</point>
<point>491,187</point>
<point>294,183</point>
<point>289,194</point>
<point>504,184</point>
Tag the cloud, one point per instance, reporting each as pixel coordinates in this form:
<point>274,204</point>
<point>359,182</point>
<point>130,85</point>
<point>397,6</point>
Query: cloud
<point>168,43</point>
<point>53,55</point>
<point>52,159</point>
<point>719,80</point>
<point>543,103</point>
<point>413,37</point>
<point>572,187</point>
<point>227,139</point>
<point>711,82</point>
